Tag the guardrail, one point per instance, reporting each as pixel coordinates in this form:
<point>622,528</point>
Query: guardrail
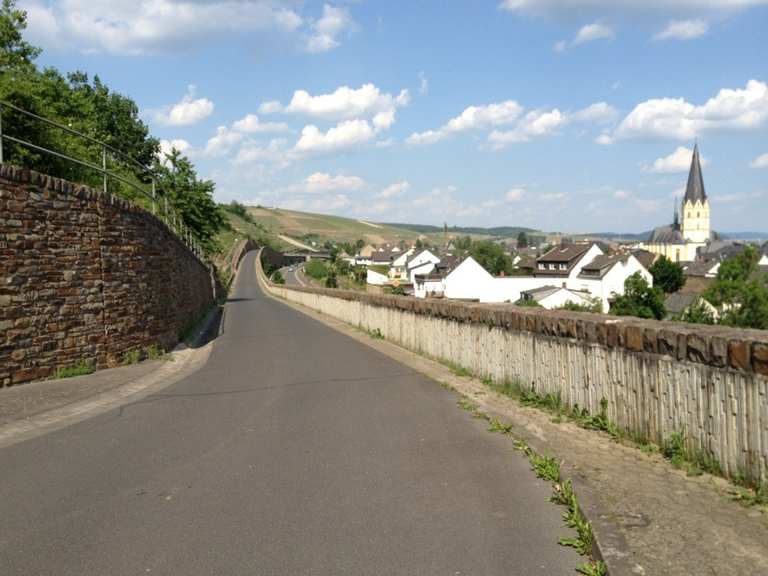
<point>174,222</point>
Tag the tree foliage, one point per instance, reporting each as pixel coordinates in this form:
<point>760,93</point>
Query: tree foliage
<point>740,292</point>
<point>91,108</point>
<point>639,299</point>
<point>667,275</point>
<point>522,240</point>
<point>191,197</point>
<point>698,313</point>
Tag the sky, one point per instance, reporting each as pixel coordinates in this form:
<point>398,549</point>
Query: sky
<point>561,115</point>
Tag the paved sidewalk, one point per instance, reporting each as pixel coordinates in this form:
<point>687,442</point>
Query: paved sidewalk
<point>648,517</point>
<point>27,400</point>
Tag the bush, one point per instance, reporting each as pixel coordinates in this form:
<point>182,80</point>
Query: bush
<point>316,269</point>
<point>277,278</point>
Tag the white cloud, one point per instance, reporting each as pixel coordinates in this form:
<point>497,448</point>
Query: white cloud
<point>592,32</point>
<point>597,113</point>
<point>760,162</point>
<point>326,31</point>
<point>167,146</point>
<point>560,46</point>
<point>189,110</point>
<point>538,123</point>
<point>346,103</point>
<point>472,118</point>
<point>270,107</point>
<point>251,124</point>
<point>604,140</point>
<point>344,135</point>
<point>151,26</point>
<point>677,161</point>
<point>675,118</point>
<point>622,194</point>
<point>514,194</point>
<point>569,8</point>
<point>324,182</point>
<point>251,153</point>
<point>223,142</point>
<point>683,30</point>
<point>535,123</point>
<point>552,196</point>
<point>395,190</point>
<point>423,84</point>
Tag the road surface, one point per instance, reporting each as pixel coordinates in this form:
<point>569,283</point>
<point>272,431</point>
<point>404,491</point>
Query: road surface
<point>294,450</point>
<point>292,276</point>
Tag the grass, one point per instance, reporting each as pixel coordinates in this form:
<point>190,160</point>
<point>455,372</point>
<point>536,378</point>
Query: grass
<point>131,357</point>
<point>695,463</point>
<point>553,403</point>
<point>80,369</point>
<point>457,369</point>
<point>375,334</point>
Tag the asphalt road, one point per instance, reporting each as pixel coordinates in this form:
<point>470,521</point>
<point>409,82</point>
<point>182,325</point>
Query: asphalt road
<point>294,450</point>
<point>291,275</point>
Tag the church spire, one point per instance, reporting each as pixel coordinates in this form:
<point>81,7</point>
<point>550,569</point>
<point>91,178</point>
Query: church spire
<point>695,189</point>
<point>676,219</point>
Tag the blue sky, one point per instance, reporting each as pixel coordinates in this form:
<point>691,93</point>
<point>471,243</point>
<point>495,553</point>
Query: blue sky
<point>568,115</point>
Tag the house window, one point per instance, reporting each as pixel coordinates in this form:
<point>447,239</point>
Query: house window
<point>677,255</point>
<point>563,266</point>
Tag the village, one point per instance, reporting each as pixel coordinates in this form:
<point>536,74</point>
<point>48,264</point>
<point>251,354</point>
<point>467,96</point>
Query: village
<point>553,271</point>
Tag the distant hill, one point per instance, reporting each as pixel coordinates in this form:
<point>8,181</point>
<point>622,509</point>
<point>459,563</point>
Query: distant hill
<point>755,236</point>
<point>498,231</point>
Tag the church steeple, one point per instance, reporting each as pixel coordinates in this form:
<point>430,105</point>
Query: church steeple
<point>695,189</point>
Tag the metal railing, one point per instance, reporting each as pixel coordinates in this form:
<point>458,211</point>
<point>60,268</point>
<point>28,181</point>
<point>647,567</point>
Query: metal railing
<point>166,212</point>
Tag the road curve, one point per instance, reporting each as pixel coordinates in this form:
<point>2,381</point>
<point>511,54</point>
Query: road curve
<point>294,450</point>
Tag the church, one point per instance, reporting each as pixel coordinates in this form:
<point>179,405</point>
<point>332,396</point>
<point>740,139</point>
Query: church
<point>680,241</point>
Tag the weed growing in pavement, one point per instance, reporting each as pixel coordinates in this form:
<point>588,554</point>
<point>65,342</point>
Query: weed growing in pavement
<point>81,369</point>
<point>593,568</point>
<point>375,334</point>
<point>154,352</point>
<point>131,357</point>
<point>496,426</point>
<point>548,468</point>
<point>466,404</point>
<point>757,496</point>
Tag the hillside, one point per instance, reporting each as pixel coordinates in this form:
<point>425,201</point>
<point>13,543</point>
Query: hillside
<point>306,227</point>
<point>496,231</point>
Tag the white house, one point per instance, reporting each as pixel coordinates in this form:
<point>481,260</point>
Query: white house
<point>604,276</point>
<point>422,262</point>
<point>763,260</point>
<point>469,281</point>
<point>375,278</point>
<point>551,297</point>
<point>577,268</point>
<point>397,269</point>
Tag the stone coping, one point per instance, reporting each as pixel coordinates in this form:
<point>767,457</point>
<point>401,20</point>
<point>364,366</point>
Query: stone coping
<point>717,346</point>
<point>27,177</point>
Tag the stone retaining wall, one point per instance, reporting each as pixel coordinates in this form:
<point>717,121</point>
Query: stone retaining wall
<point>658,377</point>
<point>86,276</point>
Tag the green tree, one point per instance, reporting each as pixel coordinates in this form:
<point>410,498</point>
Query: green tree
<point>492,257</point>
<point>15,52</point>
<point>522,240</point>
<point>330,280</point>
<point>639,299</point>
<point>698,313</point>
<point>667,275</point>
<point>191,197</point>
<point>277,277</point>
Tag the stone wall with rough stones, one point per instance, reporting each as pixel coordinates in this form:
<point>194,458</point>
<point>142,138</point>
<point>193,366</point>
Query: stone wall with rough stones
<point>658,377</point>
<point>86,276</point>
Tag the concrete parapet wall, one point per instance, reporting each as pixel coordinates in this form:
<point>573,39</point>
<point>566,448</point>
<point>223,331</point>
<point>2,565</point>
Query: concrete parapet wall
<point>658,377</point>
<point>86,276</point>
